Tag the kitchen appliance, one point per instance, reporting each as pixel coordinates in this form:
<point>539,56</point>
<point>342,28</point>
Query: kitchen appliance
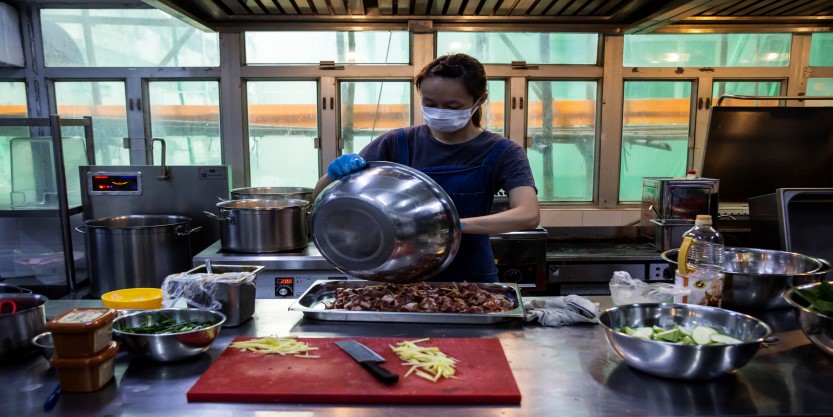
<point>521,258</point>
<point>258,226</point>
<point>285,275</point>
<point>756,150</point>
<point>332,378</point>
<point>114,190</point>
<point>670,205</point>
<point>794,220</point>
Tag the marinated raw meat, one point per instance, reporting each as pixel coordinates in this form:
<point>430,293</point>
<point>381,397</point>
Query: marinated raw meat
<point>421,297</point>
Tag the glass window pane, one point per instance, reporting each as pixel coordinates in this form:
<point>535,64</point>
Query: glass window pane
<point>370,47</point>
<point>104,101</point>
<point>534,48</point>
<point>708,50</point>
<point>655,133</point>
<point>746,88</point>
<point>283,125</point>
<point>819,87</point>
<point>562,125</point>
<point>370,108</point>
<point>124,38</point>
<point>821,50</point>
<point>186,114</point>
<point>494,111</point>
<point>12,104</point>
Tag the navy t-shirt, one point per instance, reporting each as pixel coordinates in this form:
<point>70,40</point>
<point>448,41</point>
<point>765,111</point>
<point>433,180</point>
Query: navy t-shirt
<point>511,169</point>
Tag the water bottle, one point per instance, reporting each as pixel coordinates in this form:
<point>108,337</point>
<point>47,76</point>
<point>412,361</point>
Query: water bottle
<point>700,263</point>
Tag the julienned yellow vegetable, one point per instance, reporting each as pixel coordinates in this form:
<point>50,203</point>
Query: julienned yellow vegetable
<point>277,345</point>
<point>427,362</point>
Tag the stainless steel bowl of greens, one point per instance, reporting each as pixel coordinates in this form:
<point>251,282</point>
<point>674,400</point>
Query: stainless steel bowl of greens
<point>170,334</point>
<point>683,341</point>
<point>814,310</point>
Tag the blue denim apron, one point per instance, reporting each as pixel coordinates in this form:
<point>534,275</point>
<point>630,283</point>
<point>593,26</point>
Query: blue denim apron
<point>468,187</point>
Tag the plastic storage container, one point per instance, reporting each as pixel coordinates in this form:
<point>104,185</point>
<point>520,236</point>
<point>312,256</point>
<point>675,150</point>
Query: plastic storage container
<point>86,374</point>
<point>700,263</point>
<point>82,332</point>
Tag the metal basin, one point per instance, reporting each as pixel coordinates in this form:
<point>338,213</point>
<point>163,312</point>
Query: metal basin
<point>169,347</point>
<point>757,278</point>
<point>679,361</point>
<point>388,223</point>
<point>816,326</point>
<point>18,328</point>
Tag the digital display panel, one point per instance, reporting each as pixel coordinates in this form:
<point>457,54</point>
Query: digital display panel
<point>115,183</point>
<point>284,281</point>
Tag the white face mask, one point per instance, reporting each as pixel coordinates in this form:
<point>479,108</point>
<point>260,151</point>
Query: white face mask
<point>447,120</point>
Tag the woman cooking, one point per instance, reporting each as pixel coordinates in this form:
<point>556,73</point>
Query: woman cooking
<point>470,163</point>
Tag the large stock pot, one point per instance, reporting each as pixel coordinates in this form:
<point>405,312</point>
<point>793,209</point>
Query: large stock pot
<point>272,193</point>
<point>136,251</point>
<point>261,226</point>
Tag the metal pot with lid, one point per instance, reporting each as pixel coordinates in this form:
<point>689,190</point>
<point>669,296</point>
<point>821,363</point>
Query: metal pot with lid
<point>272,193</point>
<point>261,226</point>
<point>387,222</point>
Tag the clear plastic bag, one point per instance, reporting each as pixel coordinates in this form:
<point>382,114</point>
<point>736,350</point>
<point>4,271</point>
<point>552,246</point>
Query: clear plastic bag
<point>627,290</point>
<point>200,290</point>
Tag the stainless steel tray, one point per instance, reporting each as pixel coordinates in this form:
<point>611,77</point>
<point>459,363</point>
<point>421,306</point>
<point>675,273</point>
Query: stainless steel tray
<point>312,304</point>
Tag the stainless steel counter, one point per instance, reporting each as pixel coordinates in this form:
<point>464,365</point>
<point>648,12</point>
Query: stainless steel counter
<point>567,371</point>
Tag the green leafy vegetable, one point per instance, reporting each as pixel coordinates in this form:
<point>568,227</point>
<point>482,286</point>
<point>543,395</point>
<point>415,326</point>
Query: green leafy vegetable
<point>162,324</point>
<point>820,298</point>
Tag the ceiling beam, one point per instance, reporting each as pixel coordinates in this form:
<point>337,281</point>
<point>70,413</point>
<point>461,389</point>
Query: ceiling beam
<point>672,12</point>
<point>174,9</point>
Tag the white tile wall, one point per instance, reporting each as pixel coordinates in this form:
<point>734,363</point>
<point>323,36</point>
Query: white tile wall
<point>588,217</point>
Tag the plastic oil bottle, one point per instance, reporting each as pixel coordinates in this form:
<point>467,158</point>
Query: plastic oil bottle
<point>700,263</point>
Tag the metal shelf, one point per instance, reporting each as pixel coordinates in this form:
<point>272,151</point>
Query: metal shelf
<point>64,210</point>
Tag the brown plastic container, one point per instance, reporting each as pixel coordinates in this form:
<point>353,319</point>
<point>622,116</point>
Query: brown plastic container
<point>82,332</point>
<point>86,374</point>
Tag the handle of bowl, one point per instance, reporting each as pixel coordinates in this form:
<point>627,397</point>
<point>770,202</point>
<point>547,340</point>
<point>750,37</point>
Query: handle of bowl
<point>81,229</point>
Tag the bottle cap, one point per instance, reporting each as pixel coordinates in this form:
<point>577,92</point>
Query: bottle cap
<point>703,219</point>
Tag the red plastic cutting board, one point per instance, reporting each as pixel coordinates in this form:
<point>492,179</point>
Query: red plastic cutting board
<point>483,376</point>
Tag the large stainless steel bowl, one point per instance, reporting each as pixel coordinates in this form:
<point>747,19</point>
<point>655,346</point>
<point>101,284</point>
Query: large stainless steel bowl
<point>679,361</point>
<point>816,326</point>
<point>757,278</point>
<point>387,222</point>
<point>168,347</point>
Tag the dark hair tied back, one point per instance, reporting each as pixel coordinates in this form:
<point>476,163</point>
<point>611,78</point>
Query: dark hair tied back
<point>467,69</point>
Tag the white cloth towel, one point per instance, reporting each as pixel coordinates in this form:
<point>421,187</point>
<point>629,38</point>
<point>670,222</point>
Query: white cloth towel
<point>561,311</point>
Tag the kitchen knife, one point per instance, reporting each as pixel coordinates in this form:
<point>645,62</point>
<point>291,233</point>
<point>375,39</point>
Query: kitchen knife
<point>369,360</point>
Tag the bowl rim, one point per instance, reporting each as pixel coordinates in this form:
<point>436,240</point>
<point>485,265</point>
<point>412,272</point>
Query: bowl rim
<point>670,257</point>
<point>788,296</point>
<point>119,332</point>
<point>109,295</point>
<point>610,329</point>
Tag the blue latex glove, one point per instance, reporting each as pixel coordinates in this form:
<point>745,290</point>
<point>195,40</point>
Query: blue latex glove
<point>344,165</point>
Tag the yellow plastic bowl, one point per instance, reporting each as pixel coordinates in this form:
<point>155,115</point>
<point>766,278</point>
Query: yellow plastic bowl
<point>133,298</point>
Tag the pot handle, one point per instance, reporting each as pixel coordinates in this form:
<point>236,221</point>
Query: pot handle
<point>221,219</point>
<point>81,229</point>
<point>179,231</point>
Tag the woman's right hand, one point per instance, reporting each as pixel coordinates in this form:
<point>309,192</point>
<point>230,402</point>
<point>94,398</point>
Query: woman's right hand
<point>344,165</point>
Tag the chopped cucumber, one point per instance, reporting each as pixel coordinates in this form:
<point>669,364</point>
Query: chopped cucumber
<point>724,339</point>
<point>699,335</point>
<point>702,335</point>
<point>643,333</point>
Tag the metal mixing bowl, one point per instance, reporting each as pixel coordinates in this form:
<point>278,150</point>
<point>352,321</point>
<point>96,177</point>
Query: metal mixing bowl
<point>816,326</point>
<point>44,342</point>
<point>757,278</point>
<point>387,222</point>
<point>171,346</point>
<point>679,361</point>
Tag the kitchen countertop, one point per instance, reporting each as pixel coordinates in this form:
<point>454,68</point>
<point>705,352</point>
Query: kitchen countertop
<point>569,371</point>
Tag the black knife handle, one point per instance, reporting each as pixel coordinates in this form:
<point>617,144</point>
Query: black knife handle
<point>380,373</point>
